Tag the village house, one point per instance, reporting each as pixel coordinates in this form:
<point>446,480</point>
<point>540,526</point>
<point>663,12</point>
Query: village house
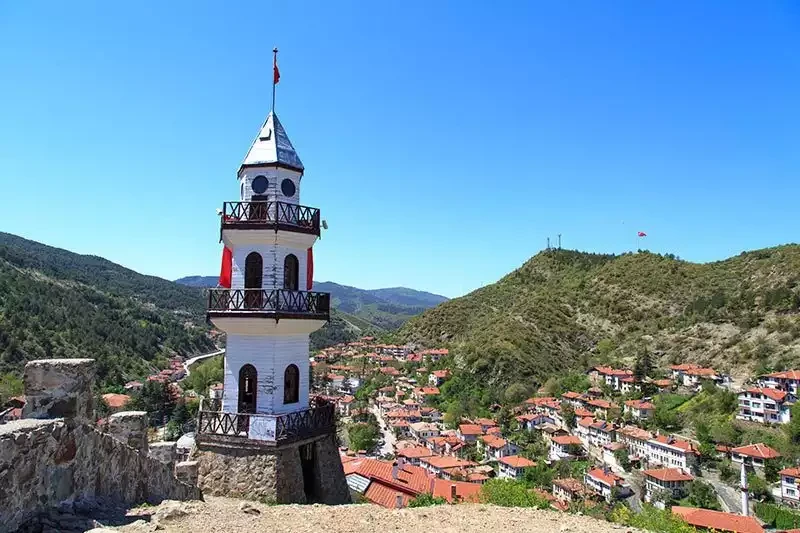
<point>430,414</point>
<point>611,377</point>
<point>413,454</point>
<point>661,484</point>
<point>335,380</point>
<point>435,354</point>
<point>790,491</point>
<point>422,431</point>
<point>629,384</point>
<point>568,490</point>
<point>765,405</point>
<point>717,521</point>
<point>663,385</point>
<point>493,447</point>
<point>565,447</point>
<point>437,377</point>
<point>469,432</point>
<point>609,458</point>
<point>513,466</point>
<point>602,408</point>
<point>601,433</point>
<point>606,484</point>
<point>670,451</point>
<point>531,421</point>
<point>401,428</point>
<point>787,381</point>
<point>422,393</point>
<point>444,445</point>
<point>134,386</point>
<point>344,405</point>
<point>635,439</point>
<point>639,409</point>
<point>754,455</point>
<point>550,431</point>
<point>576,400</point>
<point>692,375</point>
<point>442,465</point>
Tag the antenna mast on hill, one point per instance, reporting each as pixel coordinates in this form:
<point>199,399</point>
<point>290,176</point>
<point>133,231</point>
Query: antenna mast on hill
<point>559,241</point>
<point>548,243</point>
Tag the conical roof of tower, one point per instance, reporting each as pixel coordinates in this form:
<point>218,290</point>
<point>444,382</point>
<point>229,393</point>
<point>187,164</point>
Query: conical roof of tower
<point>272,146</point>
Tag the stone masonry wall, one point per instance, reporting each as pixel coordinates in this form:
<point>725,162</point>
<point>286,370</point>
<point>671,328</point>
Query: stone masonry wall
<point>47,463</point>
<point>59,388</point>
<point>331,485</point>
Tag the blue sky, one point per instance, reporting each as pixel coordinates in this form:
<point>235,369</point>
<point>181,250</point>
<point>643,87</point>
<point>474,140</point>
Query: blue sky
<point>444,141</point>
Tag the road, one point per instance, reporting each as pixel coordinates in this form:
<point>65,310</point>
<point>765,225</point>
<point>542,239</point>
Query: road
<point>635,480</point>
<point>730,498</point>
<point>193,360</point>
<point>389,439</point>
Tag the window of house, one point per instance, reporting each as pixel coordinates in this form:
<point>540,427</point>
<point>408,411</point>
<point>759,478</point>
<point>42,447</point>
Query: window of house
<point>287,188</point>
<point>291,273</point>
<point>260,184</point>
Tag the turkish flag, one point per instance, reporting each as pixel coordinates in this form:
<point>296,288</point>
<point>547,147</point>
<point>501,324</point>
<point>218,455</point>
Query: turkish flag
<point>642,234</point>
<point>310,270</point>
<point>227,267</point>
<point>276,74</point>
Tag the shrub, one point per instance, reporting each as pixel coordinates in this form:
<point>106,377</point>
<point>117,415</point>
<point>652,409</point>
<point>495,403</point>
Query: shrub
<point>510,493</point>
<point>426,500</point>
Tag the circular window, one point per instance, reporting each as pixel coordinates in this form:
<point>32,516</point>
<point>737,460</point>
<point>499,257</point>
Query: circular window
<point>260,184</point>
<point>287,187</point>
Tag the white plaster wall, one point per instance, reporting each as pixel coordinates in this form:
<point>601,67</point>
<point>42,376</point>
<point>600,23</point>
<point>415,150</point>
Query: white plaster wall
<point>273,256</point>
<point>275,176</point>
<point>270,355</point>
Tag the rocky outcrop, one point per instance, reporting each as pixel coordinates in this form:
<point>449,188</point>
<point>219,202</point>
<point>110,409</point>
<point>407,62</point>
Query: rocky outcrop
<point>47,464</point>
<point>129,427</point>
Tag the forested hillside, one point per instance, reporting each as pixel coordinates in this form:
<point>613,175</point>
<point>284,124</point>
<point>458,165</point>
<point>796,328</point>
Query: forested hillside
<point>565,309</point>
<point>54,303</point>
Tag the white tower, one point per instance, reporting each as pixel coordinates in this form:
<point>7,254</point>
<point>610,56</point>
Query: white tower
<point>268,312</point>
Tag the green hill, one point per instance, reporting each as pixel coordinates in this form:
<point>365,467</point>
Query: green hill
<point>552,313</point>
<point>55,303</point>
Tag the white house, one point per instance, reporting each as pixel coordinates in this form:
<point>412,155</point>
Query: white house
<point>790,491</point>
<point>469,432</point>
<point>765,405</point>
<point>639,409</point>
<point>661,483</point>
<point>493,447</point>
<point>422,431</point>
<point>606,484</point>
<point>754,455</point>
<point>565,447</point>
<point>568,489</point>
<point>788,381</point>
<point>513,466</point>
<point>667,450</point>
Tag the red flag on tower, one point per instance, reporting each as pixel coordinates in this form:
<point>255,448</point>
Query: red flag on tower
<point>227,267</point>
<point>642,234</point>
<point>276,74</point>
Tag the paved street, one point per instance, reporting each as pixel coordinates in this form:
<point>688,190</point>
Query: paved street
<point>730,498</point>
<point>635,480</point>
<point>389,439</point>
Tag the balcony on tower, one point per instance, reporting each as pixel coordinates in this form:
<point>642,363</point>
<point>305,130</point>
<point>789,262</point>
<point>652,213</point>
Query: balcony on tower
<point>253,222</point>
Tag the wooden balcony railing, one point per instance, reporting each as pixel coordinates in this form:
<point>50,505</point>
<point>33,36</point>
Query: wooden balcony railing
<point>270,215</point>
<point>277,302</point>
<point>275,429</point>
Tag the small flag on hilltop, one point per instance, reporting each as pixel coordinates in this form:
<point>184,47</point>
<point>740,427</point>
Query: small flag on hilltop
<point>642,234</point>
<point>276,74</point>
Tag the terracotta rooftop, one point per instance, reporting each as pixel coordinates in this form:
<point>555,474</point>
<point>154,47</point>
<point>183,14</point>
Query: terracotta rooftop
<point>470,429</point>
<point>516,461</point>
<point>415,452</point>
<point>605,476</point>
<point>567,440</point>
<point>773,394</point>
<point>786,374</point>
<point>717,520</point>
<point>669,474</point>
<point>759,451</point>
<point>569,484</point>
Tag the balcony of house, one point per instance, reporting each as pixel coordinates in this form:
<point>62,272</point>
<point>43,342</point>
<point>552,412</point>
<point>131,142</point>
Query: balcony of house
<point>244,310</point>
<point>249,222</point>
<point>262,429</point>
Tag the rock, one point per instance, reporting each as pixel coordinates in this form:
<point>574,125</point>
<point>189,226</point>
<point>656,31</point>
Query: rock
<point>102,530</point>
<point>170,510</point>
<point>247,507</point>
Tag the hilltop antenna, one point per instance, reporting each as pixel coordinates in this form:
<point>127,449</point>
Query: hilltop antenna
<point>559,241</point>
<point>548,243</point>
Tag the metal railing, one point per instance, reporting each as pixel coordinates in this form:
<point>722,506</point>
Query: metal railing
<point>276,301</point>
<point>278,429</point>
<point>277,215</point>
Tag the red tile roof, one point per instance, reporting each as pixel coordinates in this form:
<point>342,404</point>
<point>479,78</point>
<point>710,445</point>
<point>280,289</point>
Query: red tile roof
<point>602,404</point>
<point>569,395</point>
<point>441,461</point>
<point>773,394</point>
<point>485,422</point>
<point>465,491</point>
<point>605,476</point>
<point>640,404</point>
<point>668,474</point>
<point>470,429</point>
<point>717,520</point>
<point>569,484</point>
<point>786,374</point>
<point>681,444</point>
<point>566,440</point>
<point>385,496</point>
<point>414,452</point>
<point>516,461</point>
<point>760,451</point>
<point>493,441</point>
<point>790,472</point>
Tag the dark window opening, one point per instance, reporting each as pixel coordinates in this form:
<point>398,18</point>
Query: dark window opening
<point>291,384</point>
<point>291,273</point>
<point>260,184</point>
<point>253,272</point>
<point>287,188</point>
<point>248,379</point>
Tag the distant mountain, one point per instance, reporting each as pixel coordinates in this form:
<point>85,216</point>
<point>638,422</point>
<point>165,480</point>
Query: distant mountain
<point>203,282</point>
<point>56,303</point>
<point>381,309</point>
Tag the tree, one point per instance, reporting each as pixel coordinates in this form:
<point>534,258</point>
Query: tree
<point>510,493</point>
<point>758,488</point>
<point>540,476</point>
<point>643,367</point>
<point>792,427</point>
<point>363,436</point>
<point>622,457</point>
<point>516,393</point>
<point>155,398</point>
<point>426,500</point>
<point>702,494</point>
<point>568,415</point>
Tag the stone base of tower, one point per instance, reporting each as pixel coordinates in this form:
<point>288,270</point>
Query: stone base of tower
<point>307,471</point>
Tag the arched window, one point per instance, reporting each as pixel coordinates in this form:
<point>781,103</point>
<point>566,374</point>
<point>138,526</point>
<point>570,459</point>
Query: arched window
<point>291,273</point>
<point>253,272</point>
<point>291,384</point>
<point>248,379</point>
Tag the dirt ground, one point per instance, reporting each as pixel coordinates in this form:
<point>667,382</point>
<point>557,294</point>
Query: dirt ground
<point>223,515</point>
